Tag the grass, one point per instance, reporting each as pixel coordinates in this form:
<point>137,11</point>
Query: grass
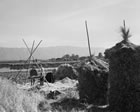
<point>13,99</point>
<point>22,77</point>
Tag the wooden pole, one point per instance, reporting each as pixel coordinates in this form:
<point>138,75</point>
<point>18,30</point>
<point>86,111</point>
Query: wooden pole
<point>34,49</point>
<point>28,48</point>
<point>88,41</point>
<point>28,68</point>
<point>31,52</point>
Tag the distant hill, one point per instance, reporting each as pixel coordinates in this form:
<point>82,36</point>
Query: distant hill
<point>45,52</point>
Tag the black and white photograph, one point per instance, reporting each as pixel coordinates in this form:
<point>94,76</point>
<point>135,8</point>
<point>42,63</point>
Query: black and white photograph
<point>69,56</point>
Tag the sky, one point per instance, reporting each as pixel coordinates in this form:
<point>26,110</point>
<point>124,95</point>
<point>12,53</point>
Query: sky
<point>62,22</point>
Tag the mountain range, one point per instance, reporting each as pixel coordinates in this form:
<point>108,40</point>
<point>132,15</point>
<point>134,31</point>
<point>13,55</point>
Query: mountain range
<point>45,52</point>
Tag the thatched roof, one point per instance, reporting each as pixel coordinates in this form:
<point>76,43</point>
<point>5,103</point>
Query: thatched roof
<point>95,63</point>
<point>121,46</point>
<point>124,45</point>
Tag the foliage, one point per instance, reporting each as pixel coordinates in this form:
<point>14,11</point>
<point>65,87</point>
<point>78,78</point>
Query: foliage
<point>125,33</point>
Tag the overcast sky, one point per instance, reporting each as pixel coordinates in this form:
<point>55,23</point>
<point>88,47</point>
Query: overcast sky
<point>61,22</point>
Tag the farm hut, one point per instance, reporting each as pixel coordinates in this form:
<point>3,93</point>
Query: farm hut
<point>124,75</point>
<point>65,70</point>
<point>49,77</point>
<point>92,80</point>
<point>124,78</point>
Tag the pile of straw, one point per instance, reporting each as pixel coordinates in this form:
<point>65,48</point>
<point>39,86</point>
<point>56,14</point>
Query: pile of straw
<point>13,99</point>
<point>65,70</point>
<point>92,80</point>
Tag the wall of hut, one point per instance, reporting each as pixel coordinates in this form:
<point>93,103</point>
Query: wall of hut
<point>124,77</point>
<point>93,84</point>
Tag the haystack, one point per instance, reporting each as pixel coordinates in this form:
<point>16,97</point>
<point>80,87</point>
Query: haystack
<point>65,70</point>
<point>124,76</point>
<point>93,82</point>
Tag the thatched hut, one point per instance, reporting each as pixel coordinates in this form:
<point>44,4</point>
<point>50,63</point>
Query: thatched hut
<point>124,75</point>
<point>92,80</point>
<point>65,70</point>
<point>49,77</point>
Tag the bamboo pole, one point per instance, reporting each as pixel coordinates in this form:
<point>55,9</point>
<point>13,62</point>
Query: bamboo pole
<point>88,41</point>
<point>28,48</point>
<point>30,58</point>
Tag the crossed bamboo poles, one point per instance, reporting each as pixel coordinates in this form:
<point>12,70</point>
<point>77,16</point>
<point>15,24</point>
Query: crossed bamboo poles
<point>31,52</point>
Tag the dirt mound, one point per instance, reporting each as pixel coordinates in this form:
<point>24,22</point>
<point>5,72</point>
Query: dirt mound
<point>124,78</point>
<point>93,81</point>
<point>65,70</point>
